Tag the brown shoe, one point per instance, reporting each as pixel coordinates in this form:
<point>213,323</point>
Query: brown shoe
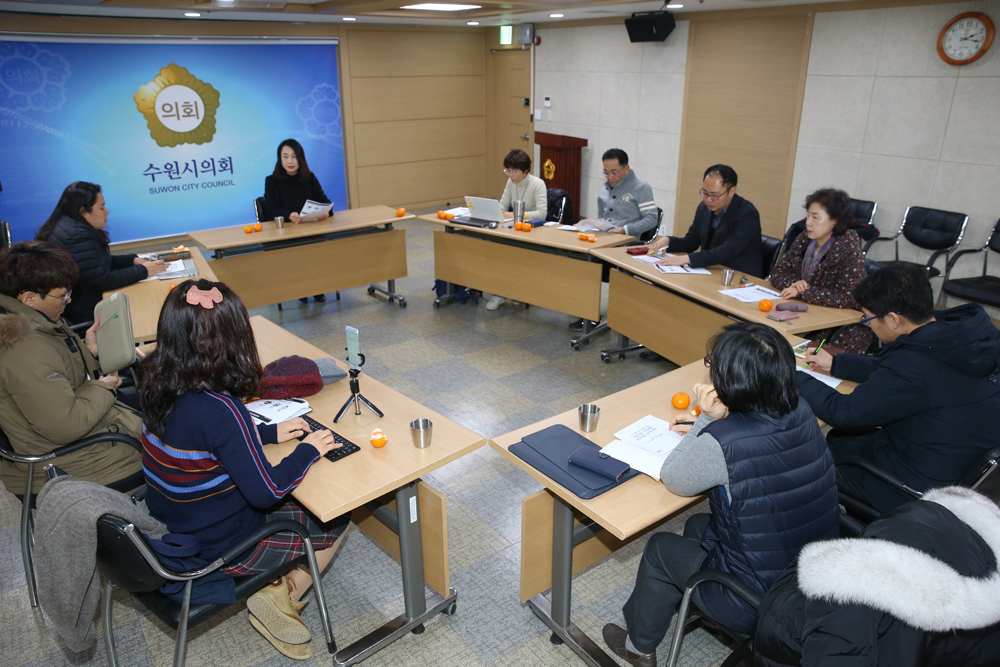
<point>614,637</point>
<point>293,651</point>
<point>275,609</point>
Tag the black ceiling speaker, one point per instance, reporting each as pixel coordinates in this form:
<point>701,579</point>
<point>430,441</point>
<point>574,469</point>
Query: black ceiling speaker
<point>650,27</point>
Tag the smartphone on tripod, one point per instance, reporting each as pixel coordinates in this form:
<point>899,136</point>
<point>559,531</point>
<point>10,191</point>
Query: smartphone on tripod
<point>355,360</point>
<point>353,348</point>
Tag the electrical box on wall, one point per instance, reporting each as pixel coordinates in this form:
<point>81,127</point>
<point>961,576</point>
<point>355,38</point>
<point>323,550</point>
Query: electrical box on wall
<point>525,33</point>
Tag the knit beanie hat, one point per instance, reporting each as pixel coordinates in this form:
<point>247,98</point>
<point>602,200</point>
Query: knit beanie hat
<point>291,377</point>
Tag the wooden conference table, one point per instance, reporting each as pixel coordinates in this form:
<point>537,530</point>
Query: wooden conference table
<point>562,533</point>
<point>545,267</point>
<point>675,314</point>
<point>351,248</point>
<point>146,298</point>
<point>381,487</point>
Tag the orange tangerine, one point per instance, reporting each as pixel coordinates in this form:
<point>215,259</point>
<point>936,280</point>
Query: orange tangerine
<point>584,236</point>
<point>449,216</point>
<point>680,400</point>
<point>765,305</point>
<point>518,226</point>
<point>400,212</point>
<point>248,229</point>
<point>526,226</point>
<point>258,227</point>
<point>592,237</point>
<point>696,411</point>
<point>441,215</point>
<point>378,438</point>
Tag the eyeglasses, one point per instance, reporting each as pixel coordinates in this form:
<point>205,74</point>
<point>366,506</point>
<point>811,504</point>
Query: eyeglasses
<point>708,361</point>
<point>615,172</point>
<point>711,196</point>
<point>512,172</point>
<point>65,297</point>
<point>867,320</point>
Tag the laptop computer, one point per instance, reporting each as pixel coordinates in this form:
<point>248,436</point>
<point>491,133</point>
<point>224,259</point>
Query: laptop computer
<point>481,212</point>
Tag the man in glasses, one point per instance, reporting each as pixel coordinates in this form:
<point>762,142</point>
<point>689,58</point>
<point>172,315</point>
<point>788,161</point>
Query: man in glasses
<point>928,402</point>
<point>726,229</point>
<point>625,202</point>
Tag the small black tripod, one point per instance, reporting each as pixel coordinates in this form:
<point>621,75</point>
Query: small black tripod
<point>356,397</point>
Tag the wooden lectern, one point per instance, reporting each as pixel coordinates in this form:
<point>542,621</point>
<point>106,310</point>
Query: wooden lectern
<point>560,166</point>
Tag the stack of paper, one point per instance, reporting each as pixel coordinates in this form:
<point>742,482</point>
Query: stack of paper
<point>644,445</point>
<point>751,294</point>
<point>458,211</point>
<point>825,379</point>
<point>684,268</point>
<point>311,210</point>
<point>274,411</point>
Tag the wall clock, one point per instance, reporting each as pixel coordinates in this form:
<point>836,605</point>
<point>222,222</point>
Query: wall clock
<point>965,38</point>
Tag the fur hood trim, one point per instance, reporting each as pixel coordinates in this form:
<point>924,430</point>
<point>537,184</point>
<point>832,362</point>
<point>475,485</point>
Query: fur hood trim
<point>908,584</point>
<point>14,327</point>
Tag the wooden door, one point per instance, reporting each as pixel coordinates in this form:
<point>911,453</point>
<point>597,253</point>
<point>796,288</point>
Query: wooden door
<point>512,126</point>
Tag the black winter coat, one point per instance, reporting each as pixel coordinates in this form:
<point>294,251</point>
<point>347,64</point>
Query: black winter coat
<point>920,589</point>
<point>100,271</point>
<point>283,196</point>
<point>934,396</point>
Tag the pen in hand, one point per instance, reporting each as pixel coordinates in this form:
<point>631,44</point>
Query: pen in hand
<point>818,348</point>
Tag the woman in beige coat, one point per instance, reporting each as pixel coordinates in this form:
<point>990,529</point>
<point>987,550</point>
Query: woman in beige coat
<point>51,391</point>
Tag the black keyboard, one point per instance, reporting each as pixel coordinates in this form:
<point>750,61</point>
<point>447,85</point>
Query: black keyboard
<point>346,446</point>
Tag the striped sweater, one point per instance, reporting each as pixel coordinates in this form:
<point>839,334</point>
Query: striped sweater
<point>208,476</point>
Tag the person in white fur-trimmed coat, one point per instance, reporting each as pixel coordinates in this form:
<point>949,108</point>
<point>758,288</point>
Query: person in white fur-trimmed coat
<point>921,587</point>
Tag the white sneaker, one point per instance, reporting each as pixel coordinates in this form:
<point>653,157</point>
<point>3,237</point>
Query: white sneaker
<point>494,302</point>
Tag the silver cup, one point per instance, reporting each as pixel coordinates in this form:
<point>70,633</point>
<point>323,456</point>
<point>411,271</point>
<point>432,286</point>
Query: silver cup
<point>519,211</point>
<point>421,430</point>
<point>279,222</point>
<point>589,414</point>
<point>727,276</point>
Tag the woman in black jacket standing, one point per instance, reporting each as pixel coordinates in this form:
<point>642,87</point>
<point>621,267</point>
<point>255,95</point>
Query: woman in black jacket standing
<point>291,184</point>
<point>77,225</point>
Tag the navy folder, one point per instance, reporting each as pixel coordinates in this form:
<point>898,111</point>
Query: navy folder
<point>548,452</point>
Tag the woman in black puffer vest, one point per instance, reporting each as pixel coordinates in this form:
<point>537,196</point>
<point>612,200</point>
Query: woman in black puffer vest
<point>77,226</point>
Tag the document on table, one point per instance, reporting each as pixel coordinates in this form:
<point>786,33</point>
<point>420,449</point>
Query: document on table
<point>828,380</point>
<point>751,294</point>
<point>644,445</point>
<point>458,211</point>
<point>591,225</point>
<point>274,411</point>
<point>681,269</point>
<point>567,228</point>
<point>311,210</point>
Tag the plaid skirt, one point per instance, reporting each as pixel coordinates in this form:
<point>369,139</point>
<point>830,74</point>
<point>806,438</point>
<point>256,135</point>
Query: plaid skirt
<point>280,548</point>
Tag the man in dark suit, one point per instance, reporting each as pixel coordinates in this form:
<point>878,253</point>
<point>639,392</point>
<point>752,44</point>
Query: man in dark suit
<point>726,227</point>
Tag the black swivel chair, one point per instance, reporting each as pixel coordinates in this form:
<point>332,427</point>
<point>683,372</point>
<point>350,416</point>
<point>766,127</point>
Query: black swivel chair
<point>982,289</point>
<point>4,234</point>
<point>259,210</point>
<point>125,559</point>
<point>770,250</point>
<point>927,228</point>
<point>981,476</point>
<point>27,522</point>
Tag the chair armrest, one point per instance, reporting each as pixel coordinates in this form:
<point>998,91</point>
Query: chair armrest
<point>731,582</point>
<point>885,476</point>
<point>93,440</point>
<point>268,529</point>
<point>81,328</point>
<point>934,257</point>
<point>871,242</point>
<point>968,251</point>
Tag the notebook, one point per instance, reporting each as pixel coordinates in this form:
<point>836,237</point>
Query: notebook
<point>115,341</point>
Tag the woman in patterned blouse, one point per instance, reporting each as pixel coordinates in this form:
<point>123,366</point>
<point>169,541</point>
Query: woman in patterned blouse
<point>825,264</point>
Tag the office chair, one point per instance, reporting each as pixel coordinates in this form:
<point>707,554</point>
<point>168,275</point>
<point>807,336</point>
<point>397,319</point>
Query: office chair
<point>125,560</point>
<point>735,585</point>
<point>259,210</point>
<point>927,228</point>
<point>981,476</point>
<point>5,239</point>
<point>560,206</point>
<point>770,250</point>
<point>602,326</point>
<point>864,218</point>
<point>983,289</point>
<point>27,522</point>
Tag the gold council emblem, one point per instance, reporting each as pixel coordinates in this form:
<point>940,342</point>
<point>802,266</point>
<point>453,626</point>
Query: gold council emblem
<point>179,107</point>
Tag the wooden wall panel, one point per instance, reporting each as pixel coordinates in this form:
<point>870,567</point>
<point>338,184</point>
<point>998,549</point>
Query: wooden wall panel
<point>379,99</point>
<point>399,53</point>
<point>417,140</point>
<point>742,102</point>
<point>421,182</point>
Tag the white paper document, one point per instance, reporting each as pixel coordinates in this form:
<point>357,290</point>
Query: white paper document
<point>822,377</point>
<point>591,225</point>
<point>649,259</point>
<point>567,228</point>
<point>171,267</point>
<point>311,210</point>
<point>644,445</point>
<point>273,410</point>
<point>751,294</point>
<point>458,210</point>
<point>681,269</point>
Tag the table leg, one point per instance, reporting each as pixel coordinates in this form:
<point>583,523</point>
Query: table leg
<point>557,614</point>
<point>417,608</point>
<point>389,291</point>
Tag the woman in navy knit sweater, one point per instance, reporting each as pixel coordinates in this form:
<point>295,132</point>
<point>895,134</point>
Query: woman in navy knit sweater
<point>205,467</point>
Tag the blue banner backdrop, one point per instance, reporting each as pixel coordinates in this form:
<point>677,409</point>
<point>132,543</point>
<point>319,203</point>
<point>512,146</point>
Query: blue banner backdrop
<point>178,136</point>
